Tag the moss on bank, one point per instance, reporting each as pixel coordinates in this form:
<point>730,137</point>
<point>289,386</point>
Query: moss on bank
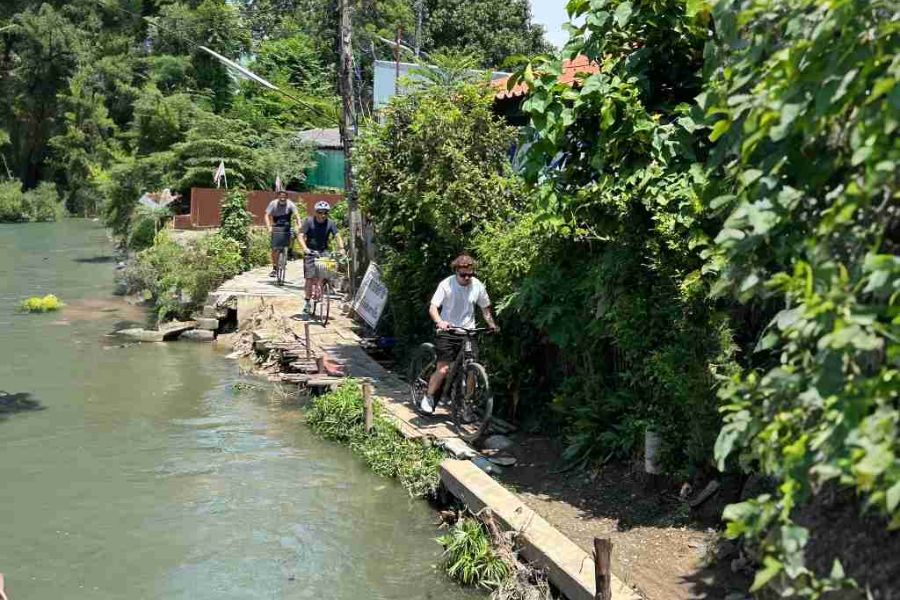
<point>340,416</point>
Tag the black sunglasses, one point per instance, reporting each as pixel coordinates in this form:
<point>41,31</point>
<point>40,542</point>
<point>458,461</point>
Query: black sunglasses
<point>466,275</point>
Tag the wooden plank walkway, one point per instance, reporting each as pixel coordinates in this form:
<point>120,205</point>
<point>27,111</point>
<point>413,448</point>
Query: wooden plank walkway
<point>340,340</point>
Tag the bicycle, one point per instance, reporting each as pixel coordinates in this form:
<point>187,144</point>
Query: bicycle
<point>282,257</point>
<point>471,400</point>
<point>320,297</point>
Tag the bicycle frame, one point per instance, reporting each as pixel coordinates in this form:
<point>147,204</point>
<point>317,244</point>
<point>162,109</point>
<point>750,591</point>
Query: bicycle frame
<point>467,354</point>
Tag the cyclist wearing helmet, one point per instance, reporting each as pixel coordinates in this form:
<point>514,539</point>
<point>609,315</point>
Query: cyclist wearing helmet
<point>280,214</point>
<point>316,234</point>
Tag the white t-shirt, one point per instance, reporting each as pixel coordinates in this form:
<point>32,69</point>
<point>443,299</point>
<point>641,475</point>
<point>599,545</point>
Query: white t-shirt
<point>457,302</point>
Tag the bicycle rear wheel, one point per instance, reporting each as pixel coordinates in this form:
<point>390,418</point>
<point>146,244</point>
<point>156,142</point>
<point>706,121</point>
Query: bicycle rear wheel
<point>473,402</point>
<point>323,306</point>
<point>421,367</point>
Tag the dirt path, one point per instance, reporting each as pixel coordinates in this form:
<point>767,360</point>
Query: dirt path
<point>656,548</point>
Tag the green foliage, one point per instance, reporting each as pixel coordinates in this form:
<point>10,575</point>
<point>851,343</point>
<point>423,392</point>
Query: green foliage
<point>39,204</point>
<point>340,416</point>
<point>42,203</point>
<point>469,557</point>
<point>432,174</point>
<point>85,143</point>
<point>12,207</point>
<point>491,30</point>
<point>259,245</point>
<point>178,278</point>
<point>606,262</point>
<point>38,304</point>
<point>236,220</point>
<point>803,102</point>
<point>146,225</point>
<point>212,23</point>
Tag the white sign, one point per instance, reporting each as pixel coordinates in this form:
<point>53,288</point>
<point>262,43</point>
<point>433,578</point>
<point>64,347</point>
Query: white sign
<point>371,296</point>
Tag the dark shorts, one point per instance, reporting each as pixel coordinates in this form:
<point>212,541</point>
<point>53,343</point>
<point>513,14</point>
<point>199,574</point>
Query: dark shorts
<point>281,237</point>
<point>448,346</point>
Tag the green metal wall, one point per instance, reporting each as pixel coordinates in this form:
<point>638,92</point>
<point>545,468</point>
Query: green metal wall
<point>329,170</point>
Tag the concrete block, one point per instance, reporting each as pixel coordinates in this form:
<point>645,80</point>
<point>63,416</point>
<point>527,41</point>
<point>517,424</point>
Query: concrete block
<point>569,567</point>
<point>198,335</point>
<point>208,324</point>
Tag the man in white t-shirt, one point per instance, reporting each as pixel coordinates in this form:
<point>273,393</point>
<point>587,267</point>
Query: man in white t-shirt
<point>453,306</point>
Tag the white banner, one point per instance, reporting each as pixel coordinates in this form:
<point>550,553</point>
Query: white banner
<point>371,296</point>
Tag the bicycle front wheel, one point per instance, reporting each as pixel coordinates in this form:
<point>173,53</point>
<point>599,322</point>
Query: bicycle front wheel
<point>282,267</point>
<point>323,307</point>
<point>473,404</point>
<point>420,370</point>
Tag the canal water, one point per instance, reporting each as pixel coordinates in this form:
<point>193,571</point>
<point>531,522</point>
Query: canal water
<point>148,475</point>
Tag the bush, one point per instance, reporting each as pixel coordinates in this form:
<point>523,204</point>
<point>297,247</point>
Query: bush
<point>40,204</point>
<point>37,304</point>
<point>236,220</point>
<point>431,175</point>
<point>469,557</point>
<point>259,247</point>
<point>340,416</point>
<point>178,278</point>
<point>12,207</point>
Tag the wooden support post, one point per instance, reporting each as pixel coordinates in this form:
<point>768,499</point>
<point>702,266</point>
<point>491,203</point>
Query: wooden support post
<point>602,568</point>
<point>367,401</point>
<point>306,335</point>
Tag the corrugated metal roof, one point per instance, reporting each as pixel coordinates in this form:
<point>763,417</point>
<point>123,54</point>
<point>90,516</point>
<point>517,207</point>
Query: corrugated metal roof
<point>322,138</point>
<point>573,71</point>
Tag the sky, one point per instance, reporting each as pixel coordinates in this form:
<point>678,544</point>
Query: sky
<point>551,14</point>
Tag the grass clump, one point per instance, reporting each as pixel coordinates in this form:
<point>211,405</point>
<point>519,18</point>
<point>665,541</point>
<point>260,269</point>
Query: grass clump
<point>339,416</point>
<point>38,304</point>
<point>470,557</point>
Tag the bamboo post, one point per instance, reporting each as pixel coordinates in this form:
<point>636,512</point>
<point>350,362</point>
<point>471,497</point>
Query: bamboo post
<point>602,571</point>
<point>367,401</point>
<point>306,336</point>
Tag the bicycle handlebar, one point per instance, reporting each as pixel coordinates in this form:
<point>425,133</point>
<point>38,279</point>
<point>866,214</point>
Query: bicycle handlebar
<point>461,331</point>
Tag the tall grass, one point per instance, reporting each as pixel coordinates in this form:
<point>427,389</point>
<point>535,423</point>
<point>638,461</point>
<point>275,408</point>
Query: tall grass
<point>470,558</point>
<point>339,416</point>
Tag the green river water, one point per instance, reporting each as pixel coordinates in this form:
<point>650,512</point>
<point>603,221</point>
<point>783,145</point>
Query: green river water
<point>146,475</point>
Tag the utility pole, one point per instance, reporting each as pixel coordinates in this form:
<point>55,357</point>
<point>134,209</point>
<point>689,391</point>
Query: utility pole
<point>419,28</point>
<point>348,131</point>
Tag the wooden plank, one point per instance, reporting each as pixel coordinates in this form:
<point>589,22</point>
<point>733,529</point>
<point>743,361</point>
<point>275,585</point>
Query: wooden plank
<point>568,566</point>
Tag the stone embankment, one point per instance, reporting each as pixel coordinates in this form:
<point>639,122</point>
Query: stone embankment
<point>286,346</point>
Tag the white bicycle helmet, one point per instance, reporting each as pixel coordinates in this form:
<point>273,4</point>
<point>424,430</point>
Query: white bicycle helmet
<point>323,206</point>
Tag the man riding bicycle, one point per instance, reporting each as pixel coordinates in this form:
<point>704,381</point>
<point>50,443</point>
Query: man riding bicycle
<point>316,234</point>
<point>280,213</point>
<point>453,306</point>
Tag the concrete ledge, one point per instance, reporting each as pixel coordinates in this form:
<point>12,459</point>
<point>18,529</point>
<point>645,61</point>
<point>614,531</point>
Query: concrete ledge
<point>208,324</point>
<point>569,568</point>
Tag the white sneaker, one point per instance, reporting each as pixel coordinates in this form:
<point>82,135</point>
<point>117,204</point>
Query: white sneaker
<point>426,405</point>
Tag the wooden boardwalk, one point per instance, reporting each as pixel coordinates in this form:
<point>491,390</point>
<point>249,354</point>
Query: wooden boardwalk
<point>340,340</point>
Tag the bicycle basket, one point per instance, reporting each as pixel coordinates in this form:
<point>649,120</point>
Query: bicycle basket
<point>326,268</point>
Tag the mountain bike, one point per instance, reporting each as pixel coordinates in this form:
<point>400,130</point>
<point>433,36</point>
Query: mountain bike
<point>471,400</point>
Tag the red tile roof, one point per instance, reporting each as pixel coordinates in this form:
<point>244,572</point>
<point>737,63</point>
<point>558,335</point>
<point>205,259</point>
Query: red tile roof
<point>571,69</point>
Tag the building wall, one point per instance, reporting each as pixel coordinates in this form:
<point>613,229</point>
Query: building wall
<point>329,169</point>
